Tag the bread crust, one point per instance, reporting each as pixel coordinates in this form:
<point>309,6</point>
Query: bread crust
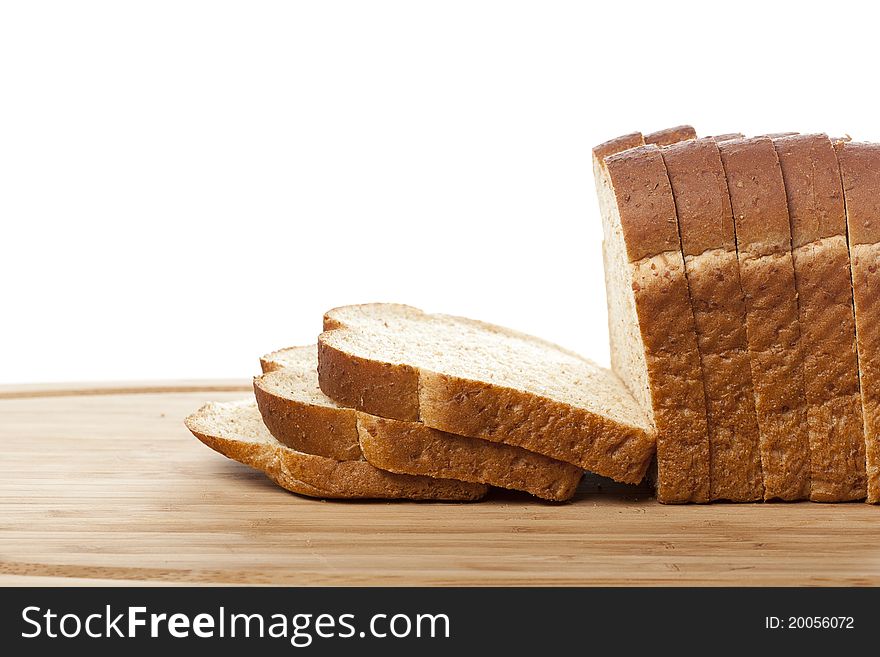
<point>669,136</point>
<point>413,448</point>
<point>616,145</point>
<point>386,389</point>
<point>543,426</point>
<point>705,221</point>
<point>828,336</point>
<point>705,218</point>
<point>666,322</point>
<point>645,200</point>
<point>727,136</point>
<point>861,180</point>
<point>757,195</point>
<point>860,173</point>
<point>484,410</point>
<point>309,428</point>
<point>812,187</point>
<point>318,476</point>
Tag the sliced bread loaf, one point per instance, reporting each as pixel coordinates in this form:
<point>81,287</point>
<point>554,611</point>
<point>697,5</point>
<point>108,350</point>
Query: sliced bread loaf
<point>653,339</point>
<point>705,222</point>
<point>302,417</point>
<point>757,195</point>
<point>483,381</point>
<point>236,430</point>
<point>860,171</point>
<point>828,334</point>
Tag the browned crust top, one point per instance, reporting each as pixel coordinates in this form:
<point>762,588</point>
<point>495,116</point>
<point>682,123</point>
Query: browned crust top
<point>618,144</point>
<point>812,187</point>
<point>644,199</point>
<point>860,171</point>
<point>727,136</point>
<point>672,135</point>
<point>702,201</point>
<point>757,195</point>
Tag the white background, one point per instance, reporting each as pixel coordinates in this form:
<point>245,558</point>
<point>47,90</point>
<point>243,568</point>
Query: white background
<point>186,185</point>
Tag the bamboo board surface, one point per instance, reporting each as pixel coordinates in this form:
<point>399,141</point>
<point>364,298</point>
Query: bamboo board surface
<point>103,484</point>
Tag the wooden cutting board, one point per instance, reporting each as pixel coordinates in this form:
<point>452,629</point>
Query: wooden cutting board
<point>103,484</point>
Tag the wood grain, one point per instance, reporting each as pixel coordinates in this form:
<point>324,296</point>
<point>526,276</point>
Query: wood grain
<point>104,484</point>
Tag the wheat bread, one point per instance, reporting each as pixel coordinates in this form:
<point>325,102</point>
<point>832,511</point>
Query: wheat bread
<point>673,135</point>
<point>727,136</point>
<point>413,448</point>
<point>828,335</point>
<point>482,381</point>
<point>613,146</point>
<point>236,430</point>
<point>860,173</point>
<point>708,244</point>
<point>653,339</point>
<point>663,137</point>
<point>757,195</point>
<point>300,416</point>
<point>297,413</point>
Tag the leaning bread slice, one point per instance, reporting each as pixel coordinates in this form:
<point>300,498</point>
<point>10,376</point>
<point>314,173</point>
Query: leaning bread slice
<point>625,142</point>
<point>653,338</point>
<point>236,430</point>
<point>757,195</point>
<point>482,381</point>
<point>669,136</point>
<point>828,334</point>
<point>860,171</point>
<point>727,136</point>
<point>299,415</point>
<point>705,222</point>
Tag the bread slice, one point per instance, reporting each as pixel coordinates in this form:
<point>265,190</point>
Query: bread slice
<point>828,335</point>
<point>727,136</point>
<point>482,381</point>
<point>236,430</point>
<point>663,137</point>
<point>669,136</point>
<point>757,195</point>
<point>413,448</point>
<point>860,172</point>
<point>299,415</point>
<point>653,339</point>
<point>705,222</point>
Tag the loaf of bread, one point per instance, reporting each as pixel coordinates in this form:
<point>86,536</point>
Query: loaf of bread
<point>743,288</point>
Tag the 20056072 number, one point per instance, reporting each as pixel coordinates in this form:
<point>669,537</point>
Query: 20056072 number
<point>810,623</point>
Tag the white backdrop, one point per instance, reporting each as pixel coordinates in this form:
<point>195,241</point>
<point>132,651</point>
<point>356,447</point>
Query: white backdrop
<point>186,185</point>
